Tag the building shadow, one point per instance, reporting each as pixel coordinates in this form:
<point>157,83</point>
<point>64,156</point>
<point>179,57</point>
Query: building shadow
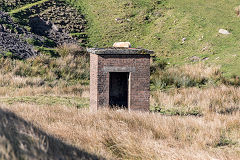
<point>20,139</point>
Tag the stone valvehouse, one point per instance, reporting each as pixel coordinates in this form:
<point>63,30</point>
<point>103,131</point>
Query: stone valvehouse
<point>119,77</point>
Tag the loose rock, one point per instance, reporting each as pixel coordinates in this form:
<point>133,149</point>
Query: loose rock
<point>183,40</point>
<point>194,59</point>
<point>223,31</point>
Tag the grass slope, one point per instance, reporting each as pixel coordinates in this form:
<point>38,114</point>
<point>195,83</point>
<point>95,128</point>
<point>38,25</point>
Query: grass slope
<point>162,24</point>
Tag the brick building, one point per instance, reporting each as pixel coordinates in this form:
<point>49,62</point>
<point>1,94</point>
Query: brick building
<point>119,77</point>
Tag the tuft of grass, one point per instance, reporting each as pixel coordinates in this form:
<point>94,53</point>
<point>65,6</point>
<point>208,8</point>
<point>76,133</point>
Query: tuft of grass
<point>178,111</point>
<point>79,35</point>
<point>7,54</point>
<point>224,140</point>
<point>50,52</point>
<point>27,6</point>
<point>197,75</point>
<point>70,49</point>
<point>33,41</point>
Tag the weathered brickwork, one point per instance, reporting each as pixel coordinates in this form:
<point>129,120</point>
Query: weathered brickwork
<point>93,81</point>
<point>138,66</point>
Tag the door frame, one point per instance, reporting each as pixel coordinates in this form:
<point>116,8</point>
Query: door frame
<point>129,88</point>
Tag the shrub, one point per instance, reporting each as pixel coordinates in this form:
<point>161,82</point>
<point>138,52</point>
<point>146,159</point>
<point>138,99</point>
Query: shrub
<point>70,68</point>
<point>49,43</point>
<point>185,76</point>
<point>224,140</point>
<point>178,111</point>
<point>158,64</point>
<point>8,54</point>
<point>33,41</point>
<point>67,68</point>
<point>70,49</point>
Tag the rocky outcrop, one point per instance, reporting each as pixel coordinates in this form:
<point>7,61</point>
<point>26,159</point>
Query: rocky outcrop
<point>7,24</point>
<point>47,24</point>
<point>57,11</point>
<point>13,39</point>
<point>49,30</point>
<point>59,14</point>
<point>63,16</point>
<point>16,46</point>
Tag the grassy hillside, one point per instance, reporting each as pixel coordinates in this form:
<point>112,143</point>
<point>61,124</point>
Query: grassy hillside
<point>162,24</point>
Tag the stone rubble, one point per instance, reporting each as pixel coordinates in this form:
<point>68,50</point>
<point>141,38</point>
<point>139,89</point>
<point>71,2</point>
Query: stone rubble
<point>49,30</point>
<point>15,42</point>
<point>64,17</point>
<point>52,20</point>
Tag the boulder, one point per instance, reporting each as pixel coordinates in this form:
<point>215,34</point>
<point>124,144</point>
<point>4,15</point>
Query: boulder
<point>39,26</point>
<point>194,59</point>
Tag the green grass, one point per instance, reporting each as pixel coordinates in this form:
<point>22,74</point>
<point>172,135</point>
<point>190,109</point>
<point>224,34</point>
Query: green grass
<point>78,34</point>
<point>48,100</point>
<point>177,111</point>
<point>27,6</point>
<point>161,25</point>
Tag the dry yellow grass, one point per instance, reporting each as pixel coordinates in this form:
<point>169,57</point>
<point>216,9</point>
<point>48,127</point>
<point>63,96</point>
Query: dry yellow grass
<point>197,71</point>
<point>194,75</point>
<point>12,85</point>
<point>214,135</point>
<point>123,135</point>
<point>20,139</point>
<point>222,99</point>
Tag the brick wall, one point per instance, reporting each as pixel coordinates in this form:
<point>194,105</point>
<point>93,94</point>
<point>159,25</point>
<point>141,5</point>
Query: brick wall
<point>93,81</point>
<point>138,65</point>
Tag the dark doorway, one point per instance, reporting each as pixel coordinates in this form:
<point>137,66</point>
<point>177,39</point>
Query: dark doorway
<point>118,89</point>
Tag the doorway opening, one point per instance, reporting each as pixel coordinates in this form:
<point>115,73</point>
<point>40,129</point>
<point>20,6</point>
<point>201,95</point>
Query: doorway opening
<point>118,89</point>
